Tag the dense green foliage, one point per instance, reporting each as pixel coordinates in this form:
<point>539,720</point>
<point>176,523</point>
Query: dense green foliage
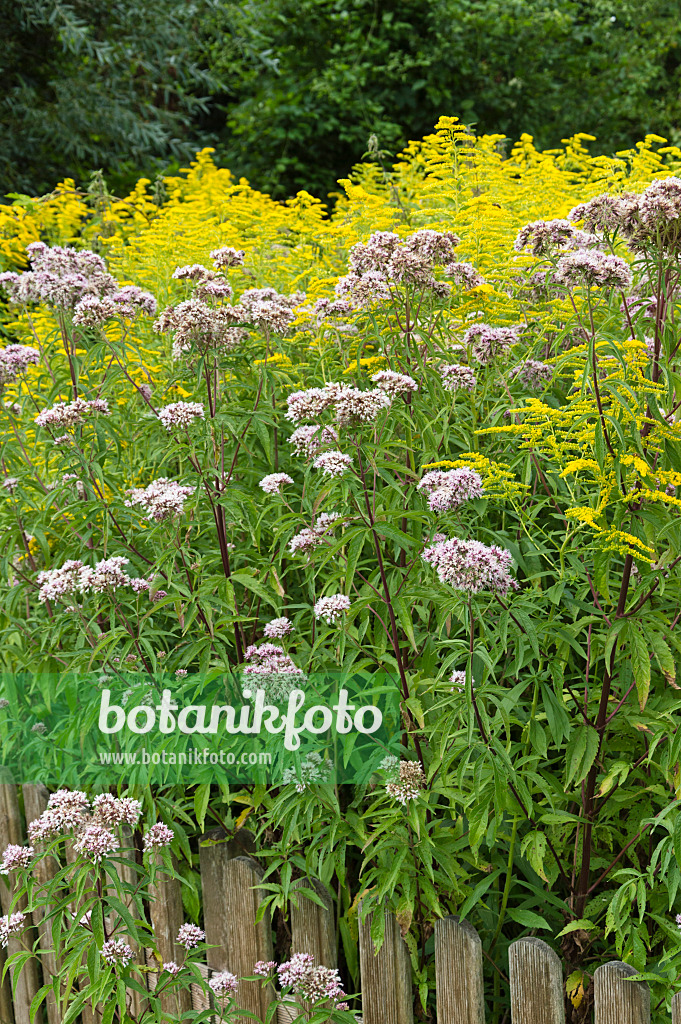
<point>289,92</point>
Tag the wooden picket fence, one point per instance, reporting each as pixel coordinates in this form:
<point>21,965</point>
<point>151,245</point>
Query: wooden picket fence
<point>230,903</point>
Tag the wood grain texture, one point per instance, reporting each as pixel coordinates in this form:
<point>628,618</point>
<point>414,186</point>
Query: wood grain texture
<point>536,983</point>
<point>167,916</point>
<point>35,802</point>
<point>243,941</point>
<point>213,860</point>
<point>385,976</point>
<point>312,926</point>
<point>28,983</point>
<point>618,1001</point>
<point>458,972</point>
<point>676,1009</point>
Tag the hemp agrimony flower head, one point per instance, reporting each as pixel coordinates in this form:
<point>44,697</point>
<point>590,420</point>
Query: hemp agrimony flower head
<point>274,482</point>
<point>171,968</point>
<point>332,608</point>
<point>110,810</point>
<point>447,489</point>
<point>117,953</point>
<point>180,414</point>
<point>16,857</point>
<point>162,499</point>
<point>226,257</point>
<point>333,463</point>
<point>224,984</point>
<point>394,384</point>
<point>314,770</point>
<point>15,361</point>
<point>158,836</point>
<point>543,236</point>
<point>488,342</point>
<point>532,374</point>
<point>128,302</point>
<point>194,324</point>
<point>59,277</point>
<point>189,936</point>
<point>458,680</point>
<point>593,268</point>
<point>406,783</point>
<point>269,668</point>
<point>457,377</point>
<point>277,629</point>
<point>68,414</point>
<point>309,440</point>
<point>94,842</point>
<point>11,924</point>
<point>471,566</point>
<point>464,274</point>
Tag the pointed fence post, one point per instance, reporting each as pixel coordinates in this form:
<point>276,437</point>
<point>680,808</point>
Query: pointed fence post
<point>618,1001</point>
<point>312,926</point>
<point>536,977</point>
<point>458,972</point>
<point>386,975</point>
<point>28,983</point>
<point>35,802</point>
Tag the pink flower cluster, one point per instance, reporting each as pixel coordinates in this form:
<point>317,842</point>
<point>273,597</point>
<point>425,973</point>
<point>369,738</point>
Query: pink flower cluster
<point>313,984</point>
<point>464,274</point>
<point>544,236</point>
<point>447,489</point>
<point>267,309</point>
<point>162,499</point>
<point>11,924</point>
<point>277,629</point>
<point>532,374</point>
<point>226,257</point>
<point>74,576</point>
<point>194,324</point>
<point>59,277</point>
<point>95,841</point>
<point>92,311</point>
<point>15,857</point>
<point>117,953</point>
<point>158,836</point>
<point>15,360</point>
<point>309,440</point>
<point>310,538</point>
<point>269,668</point>
<point>68,414</point>
<point>593,268</point>
<point>224,984</point>
<point>273,483</point>
<point>457,377</point>
<point>487,342</point>
<point>386,258</point>
<point>333,464</point>
<point>471,566</point>
<point>332,608</point>
<point>180,414</point>
<point>352,406</point>
<point>110,810</point>
<point>189,936</point>
<point>394,384</point>
<point>649,220</point>
<point>406,779</point>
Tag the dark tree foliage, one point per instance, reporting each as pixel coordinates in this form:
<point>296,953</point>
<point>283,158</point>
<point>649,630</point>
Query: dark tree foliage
<point>112,84</point>
<point>319,76</point>
<point>289,91</point>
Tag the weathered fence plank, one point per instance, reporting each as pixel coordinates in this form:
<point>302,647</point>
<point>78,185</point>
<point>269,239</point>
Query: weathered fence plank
<point>536,983</point>
<point>167,916</point>
<point>28,982</point>
<point>312,926</point>
<point>618,1001</point>
<point>243,942</point>
<point>35,802</point>
<point>676,1009</point>
<point>385,976</point>
<point>458,972</point>
<point>88,1014</point>
<point>6,1007</point>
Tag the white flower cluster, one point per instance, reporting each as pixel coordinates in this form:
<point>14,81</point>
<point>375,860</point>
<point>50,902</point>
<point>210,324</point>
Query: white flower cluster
<point>162,499</point>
